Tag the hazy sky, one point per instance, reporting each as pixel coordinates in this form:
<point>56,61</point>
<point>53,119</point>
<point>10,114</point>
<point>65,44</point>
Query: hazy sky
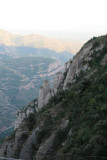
<point>57,15</point>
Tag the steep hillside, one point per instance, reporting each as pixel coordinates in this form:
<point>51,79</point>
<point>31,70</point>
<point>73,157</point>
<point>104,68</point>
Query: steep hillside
<point>39,41</point>
<point>71,123</point>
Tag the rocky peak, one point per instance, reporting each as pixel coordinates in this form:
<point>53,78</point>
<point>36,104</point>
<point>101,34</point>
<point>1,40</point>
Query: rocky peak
<point>80,62</point>
<point>46,87</point>
<point>44,94</point>
<point>77,65</point>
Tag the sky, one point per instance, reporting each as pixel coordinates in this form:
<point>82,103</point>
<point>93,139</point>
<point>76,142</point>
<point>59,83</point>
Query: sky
<point>54,15</point>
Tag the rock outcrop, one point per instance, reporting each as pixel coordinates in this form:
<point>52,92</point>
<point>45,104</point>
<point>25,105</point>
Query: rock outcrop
<point>24,113</point>
<point>57,80</point>
<point>12,148</point>
<point>67,65</point>
<point>80,62</point>
<point>31,143</point>
<point>77,65</point>
<point>45,92</point>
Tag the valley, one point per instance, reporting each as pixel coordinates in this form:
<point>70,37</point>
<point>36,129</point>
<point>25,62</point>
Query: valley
<point>20,82</point>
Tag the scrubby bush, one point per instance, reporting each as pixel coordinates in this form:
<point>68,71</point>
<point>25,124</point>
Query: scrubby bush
<point>31,121</point>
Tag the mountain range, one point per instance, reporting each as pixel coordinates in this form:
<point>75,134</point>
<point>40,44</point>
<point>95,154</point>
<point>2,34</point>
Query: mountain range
<point>39,41</point>
<point>68,121</point>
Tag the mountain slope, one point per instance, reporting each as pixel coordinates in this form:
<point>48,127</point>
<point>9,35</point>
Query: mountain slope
<point>72,125</point>
<point>39,41</point>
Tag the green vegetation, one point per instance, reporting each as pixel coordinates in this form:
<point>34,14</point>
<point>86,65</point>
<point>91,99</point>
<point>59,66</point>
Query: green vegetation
<point>1,141</point>
<point>31,121</point>
<point>100,39</point>
<point>85,104</point>
<point>59,138</point>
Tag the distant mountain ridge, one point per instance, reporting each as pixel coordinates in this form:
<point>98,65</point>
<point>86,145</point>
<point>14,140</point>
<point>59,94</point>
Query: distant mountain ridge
<point>26,51</point>
<point>39,41</point>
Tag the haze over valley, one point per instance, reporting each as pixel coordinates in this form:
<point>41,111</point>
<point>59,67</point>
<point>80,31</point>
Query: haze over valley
<point>39,41</point>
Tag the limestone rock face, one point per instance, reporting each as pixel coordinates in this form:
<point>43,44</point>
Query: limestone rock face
<point>77,64</point>
<point>67,65</point>
<point>45,148</point>
<point>44,94</point>
<point>80,63</point>
<point>24,113</point>
<point>46,87</point>
<point>12,148</point>
<point>57,80</point>
<point>30,145</point>
<point>41,98</point>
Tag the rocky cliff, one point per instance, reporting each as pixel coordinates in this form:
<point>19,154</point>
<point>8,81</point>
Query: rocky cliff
<point>68,121</point>
<point>24,113</point>
<point>45,93</point>
<point>80,62</point>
